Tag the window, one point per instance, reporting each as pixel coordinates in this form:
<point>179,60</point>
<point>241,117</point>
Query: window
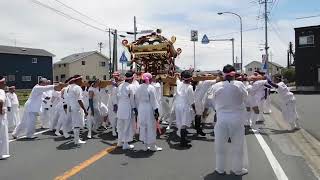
<point>83,62</point>
<point>57,78</point>
<point>102,64</point>
<point>306,40</point>
<point>11,78</point>
<point>249,69</point>
<point>63,76</point>
<point>34,60</point>
<point>94,78</point>
<point>87,77</point>
<point>26,78</point>
<point>59,65</point>
<point>258,69</point>
<point>104,77</point>
<point>64,65</point>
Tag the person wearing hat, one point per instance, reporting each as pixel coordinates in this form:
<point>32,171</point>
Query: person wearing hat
<point>13,113</point>
<point>77,109</point>
<point>32,108</point>
<point>124,107</point>
<point>148,113</point>
<point>4,136</point>
<point>288,105</point>
<point>228,99</point>
<point>94,119</point>
<point>112,116</point>
<point>184,106</point>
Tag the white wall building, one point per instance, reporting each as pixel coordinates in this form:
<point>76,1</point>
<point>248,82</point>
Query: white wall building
<point>274,68</point>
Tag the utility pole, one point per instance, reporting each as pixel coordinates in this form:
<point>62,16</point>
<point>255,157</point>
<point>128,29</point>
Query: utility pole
<point>265,2</point>
<point>110,68</point>
<point>135,28</point>
<point>115,51</point>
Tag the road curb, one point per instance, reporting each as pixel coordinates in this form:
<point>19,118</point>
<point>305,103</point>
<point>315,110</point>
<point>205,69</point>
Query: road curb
<point>304,141</point>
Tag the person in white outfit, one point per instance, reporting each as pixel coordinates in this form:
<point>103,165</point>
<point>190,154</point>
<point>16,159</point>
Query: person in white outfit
<point>13,113</point>
<point>288,107</point>
<point>199,96</point>
<point>4,136</point>
<point>147,103</point>
<point>76,109</point>
<point>124,108</point>
<point>267,101</point>
<point>55,99</point>
<point>184,106</point>
<point>45,108</point>
<point>32,107</point>
<point>112,116</point>
<point>94,118</point>
<point>228,99</point>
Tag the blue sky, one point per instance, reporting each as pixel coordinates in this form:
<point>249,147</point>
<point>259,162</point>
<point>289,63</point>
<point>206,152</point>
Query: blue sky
<point>31,25</point>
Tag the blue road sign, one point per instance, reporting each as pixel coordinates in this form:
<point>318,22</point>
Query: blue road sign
<point>123,58</point>
<point>205,39</point>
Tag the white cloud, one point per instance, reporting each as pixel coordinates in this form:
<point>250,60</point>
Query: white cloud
<point>35,26</point>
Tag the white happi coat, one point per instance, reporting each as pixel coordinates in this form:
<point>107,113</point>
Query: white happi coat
<point>96,120</point>
<point>228,98</point>
<point>31,109</point>
<point>184,98</point>
<point>112,101</point>
<point>200,93</point>
<point>13,116</point>
<point>4,136</point>
<point>77,114</point>
<point>46,104</point>
<point>125,97</point>
<point>146,101</point>
<point>55,99</point>
<point>288,104</point>
<point>159,93</point>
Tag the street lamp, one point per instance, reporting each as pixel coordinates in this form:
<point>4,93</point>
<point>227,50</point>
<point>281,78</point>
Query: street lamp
<point>206,40</point>
<point>221,13</point>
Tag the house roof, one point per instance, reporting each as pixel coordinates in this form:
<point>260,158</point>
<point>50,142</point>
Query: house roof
<point>78,56</point>
<point>24,51</point>
<point>273,63</point>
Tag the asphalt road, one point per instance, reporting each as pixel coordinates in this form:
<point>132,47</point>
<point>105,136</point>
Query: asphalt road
<point>48,157</point>
<point>308,107</point>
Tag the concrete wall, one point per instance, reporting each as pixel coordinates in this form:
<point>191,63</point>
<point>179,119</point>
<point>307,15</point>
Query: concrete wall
<point>60,69</point>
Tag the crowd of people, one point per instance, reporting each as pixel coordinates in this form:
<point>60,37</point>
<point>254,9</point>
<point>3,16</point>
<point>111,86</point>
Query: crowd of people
<point>133,105</point>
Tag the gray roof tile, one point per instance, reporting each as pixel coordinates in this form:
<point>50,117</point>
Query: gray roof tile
<point>24,51</point>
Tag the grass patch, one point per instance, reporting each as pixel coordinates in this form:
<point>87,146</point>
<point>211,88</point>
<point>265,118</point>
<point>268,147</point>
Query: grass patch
<point>23,95</point>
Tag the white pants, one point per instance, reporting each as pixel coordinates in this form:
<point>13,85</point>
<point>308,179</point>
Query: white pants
<point>267,105</point>
<point>289,112</point>
<point>13,116</point>
<point>124,130</point>
<point>113,119</point>
<point>4,136</point>
<point>45,118</point>
<point>77,117</point>
<point>229,125</point>
<point>27,126</point>
<point>184,115</point>
<point>54,111</point>
<point>147,125</point>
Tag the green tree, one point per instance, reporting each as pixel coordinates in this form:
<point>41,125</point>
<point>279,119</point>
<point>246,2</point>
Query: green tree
<point>289,74</point>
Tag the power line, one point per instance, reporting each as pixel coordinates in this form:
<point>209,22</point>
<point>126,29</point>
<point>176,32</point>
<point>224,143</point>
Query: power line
<point>82,14</point>
<point>235,32</point>
<point>306,17</point>
<point>67,15</point>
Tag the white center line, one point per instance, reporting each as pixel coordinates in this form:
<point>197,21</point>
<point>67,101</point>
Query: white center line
<point>40,132</point>
<point>279,172</point>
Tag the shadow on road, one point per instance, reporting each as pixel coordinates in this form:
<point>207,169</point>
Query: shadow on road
<point>138,154</point>
<point>67,145</point>
<point>215,176</point>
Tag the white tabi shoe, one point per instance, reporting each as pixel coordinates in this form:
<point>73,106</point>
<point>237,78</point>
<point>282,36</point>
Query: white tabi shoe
<point>127,146</point>
<point>4,156</point>
<point>80,142</point>
<point>57,133</point>
<point>241,173</point>
<point>155,148</point>
<point>145,147</point>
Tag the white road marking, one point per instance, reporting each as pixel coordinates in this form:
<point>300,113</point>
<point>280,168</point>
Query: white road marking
<point>281,175</point>
<point>40,132</point>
